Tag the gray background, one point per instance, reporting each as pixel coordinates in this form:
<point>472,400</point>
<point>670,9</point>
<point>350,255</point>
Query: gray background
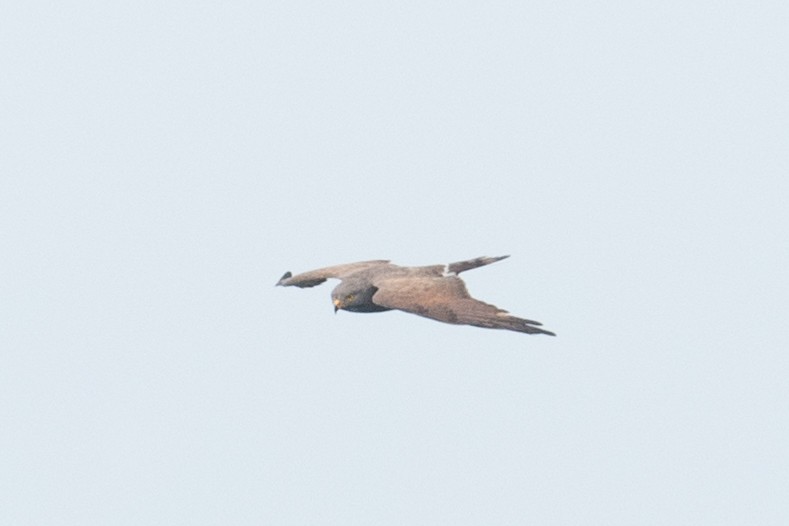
<point>162,165</point>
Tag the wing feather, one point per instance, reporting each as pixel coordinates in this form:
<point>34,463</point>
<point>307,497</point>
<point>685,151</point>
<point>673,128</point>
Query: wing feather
<point>318,276</point>
<point>447,299</point>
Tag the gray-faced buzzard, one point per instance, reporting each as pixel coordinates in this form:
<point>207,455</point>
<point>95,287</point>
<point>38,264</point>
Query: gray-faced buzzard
<point>433,291</point>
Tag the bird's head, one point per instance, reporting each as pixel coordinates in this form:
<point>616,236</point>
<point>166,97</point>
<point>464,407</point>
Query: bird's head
<point>354,296</point>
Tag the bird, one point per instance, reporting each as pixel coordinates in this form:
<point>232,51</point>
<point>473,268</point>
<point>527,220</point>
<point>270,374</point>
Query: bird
<point>433,291</point>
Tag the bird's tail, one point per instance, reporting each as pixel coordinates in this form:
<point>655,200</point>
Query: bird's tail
<point>462,266</point>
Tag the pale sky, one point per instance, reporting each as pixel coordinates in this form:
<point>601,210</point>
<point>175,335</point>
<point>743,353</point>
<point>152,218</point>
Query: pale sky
<point>163,164</point>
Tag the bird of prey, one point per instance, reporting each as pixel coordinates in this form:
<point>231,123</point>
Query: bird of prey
<point>433,291</point>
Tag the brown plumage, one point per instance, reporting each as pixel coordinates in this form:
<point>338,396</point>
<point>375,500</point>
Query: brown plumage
<point>433,291</point>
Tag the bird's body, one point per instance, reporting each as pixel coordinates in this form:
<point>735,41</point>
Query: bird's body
<point>433,291</point>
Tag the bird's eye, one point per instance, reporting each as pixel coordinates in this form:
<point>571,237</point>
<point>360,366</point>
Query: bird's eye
<point>350,297</point>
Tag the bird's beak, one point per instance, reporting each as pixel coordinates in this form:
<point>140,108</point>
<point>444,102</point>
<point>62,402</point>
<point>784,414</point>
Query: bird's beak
<point>337,305</point>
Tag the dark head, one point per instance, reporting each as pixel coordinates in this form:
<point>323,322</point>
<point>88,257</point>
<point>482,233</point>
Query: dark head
<point>355,296</point>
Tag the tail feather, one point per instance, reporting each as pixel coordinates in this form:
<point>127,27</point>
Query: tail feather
<point>462,266</point>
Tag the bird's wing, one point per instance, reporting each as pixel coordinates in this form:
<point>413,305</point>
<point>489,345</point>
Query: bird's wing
<point>446,299</point>
<point>318,276</point>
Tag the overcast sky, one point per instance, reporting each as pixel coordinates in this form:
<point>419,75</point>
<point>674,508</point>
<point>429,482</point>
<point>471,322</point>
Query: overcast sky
<point>162,164</point>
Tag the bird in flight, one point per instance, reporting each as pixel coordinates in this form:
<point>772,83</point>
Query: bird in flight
<point>433,291</point>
